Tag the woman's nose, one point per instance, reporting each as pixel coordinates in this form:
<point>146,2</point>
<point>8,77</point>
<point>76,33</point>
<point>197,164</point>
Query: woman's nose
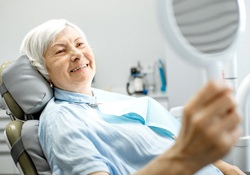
<point>76,54</point>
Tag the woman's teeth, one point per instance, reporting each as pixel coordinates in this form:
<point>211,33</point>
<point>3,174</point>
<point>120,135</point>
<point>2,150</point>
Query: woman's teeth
<point>76,69</point>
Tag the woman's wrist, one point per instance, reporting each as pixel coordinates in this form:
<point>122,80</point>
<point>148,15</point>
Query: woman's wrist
<point>178,162</point>
<point>172,162</point>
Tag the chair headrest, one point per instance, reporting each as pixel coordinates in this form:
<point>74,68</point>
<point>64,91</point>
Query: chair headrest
<point>26,85</point>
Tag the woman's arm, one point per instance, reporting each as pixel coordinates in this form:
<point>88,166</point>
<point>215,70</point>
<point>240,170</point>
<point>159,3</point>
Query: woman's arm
<point>208,132</point>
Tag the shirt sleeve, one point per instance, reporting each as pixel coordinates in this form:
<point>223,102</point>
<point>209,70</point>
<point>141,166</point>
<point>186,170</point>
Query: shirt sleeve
<point>69,145</point>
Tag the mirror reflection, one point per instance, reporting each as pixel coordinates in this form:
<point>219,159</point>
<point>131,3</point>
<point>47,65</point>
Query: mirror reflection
<point>210,26</point>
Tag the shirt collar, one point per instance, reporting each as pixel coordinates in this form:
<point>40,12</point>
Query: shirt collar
<point>73,97</point>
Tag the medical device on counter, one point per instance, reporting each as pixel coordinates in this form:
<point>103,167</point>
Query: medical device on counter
<point>144,80</point>
<point>206,33</point>
<point>136,84</point>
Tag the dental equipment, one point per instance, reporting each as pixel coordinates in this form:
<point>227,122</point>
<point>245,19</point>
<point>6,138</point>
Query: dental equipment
<point>241,150</point>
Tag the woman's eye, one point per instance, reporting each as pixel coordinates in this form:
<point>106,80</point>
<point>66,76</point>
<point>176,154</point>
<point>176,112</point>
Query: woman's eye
<point>79,44</point>
<point>59,51</point>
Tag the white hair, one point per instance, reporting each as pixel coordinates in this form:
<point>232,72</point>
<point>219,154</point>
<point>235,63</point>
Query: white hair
<point>37,41</point>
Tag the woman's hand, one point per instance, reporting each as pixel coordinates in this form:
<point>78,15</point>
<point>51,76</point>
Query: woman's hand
<point>210,124</point>
<point>228,169</point>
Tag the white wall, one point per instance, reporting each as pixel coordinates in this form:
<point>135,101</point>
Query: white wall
<point>120,32</point>
<point>244,48</point>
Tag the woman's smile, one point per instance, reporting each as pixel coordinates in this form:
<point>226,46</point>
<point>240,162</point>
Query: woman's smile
<point>79,68</point>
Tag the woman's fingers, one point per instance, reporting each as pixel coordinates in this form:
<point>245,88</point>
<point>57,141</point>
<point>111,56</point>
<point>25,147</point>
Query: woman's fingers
<point>210,122</point>
<point>214,100</point>
<point>221,107</point>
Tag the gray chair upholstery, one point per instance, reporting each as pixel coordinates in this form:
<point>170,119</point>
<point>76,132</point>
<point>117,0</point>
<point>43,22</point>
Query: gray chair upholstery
<point>25,93</point>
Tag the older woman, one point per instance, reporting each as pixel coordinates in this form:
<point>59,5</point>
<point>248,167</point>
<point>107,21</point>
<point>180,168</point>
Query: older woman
<point>78,137</point>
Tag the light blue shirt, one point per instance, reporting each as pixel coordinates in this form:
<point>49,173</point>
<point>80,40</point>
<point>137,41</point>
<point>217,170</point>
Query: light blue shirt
<point>119,136</point>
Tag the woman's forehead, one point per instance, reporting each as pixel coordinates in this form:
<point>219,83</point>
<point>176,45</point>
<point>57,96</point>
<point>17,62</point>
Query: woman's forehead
<point>67,34</point>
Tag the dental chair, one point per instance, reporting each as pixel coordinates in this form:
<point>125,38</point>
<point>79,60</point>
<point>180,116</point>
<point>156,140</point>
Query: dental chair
<point>25,93</point>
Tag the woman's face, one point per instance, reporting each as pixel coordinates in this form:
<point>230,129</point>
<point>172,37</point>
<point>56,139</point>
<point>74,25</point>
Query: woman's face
<point>70,62</point>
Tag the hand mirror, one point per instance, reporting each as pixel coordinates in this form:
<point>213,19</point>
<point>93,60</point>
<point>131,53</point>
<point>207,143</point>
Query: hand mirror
<point>204,32</point>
